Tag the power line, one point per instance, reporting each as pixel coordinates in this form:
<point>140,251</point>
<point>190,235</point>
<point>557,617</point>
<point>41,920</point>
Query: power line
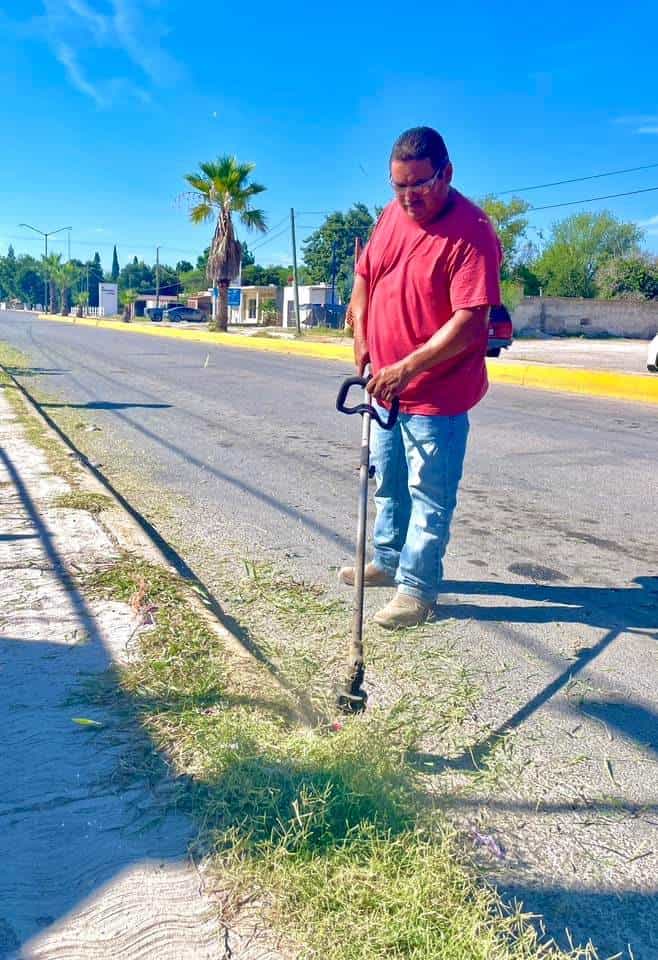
<point>572,203</point>
<point>593,176</point>
<point>264,243</point>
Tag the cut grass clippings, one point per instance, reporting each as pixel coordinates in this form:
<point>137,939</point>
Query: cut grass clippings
<point>331,829</point>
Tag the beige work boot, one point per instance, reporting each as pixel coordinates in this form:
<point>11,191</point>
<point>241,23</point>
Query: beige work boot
<point>372,576</point>
<point>402,611</point>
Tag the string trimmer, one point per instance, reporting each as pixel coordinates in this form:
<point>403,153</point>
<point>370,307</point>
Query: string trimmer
<point>353,698</point>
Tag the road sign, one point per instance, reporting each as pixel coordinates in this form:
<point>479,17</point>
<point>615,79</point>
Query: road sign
<point>234,296</point>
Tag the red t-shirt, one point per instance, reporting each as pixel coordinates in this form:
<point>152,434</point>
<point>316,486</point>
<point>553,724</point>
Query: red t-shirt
<point>418,276</point>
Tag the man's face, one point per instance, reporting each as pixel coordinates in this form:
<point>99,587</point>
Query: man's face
<point>420,189</point>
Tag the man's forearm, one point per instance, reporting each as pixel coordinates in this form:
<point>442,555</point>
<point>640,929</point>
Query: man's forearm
<point>463,329</point>
<point>359,306</point>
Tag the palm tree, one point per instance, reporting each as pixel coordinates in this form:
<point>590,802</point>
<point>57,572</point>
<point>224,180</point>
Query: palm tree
<point>128,297</point>
<point>221,189</point>
<point>67,276</point>
<point>50,267</point>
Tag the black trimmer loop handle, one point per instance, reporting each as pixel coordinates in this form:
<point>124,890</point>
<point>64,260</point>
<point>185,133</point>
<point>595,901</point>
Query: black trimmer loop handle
<point>345,387</point>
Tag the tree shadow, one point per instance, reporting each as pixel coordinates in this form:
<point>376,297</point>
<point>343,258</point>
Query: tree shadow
<point>35,371</point>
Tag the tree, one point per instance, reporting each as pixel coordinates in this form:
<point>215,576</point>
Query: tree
<point>183,266</point>
<point>330,249</point>
<point>247,258</point>
<point>634,277</point>
<point>192,281</point>
<point>221,189</point>
<point>81,300</point>
<point>128,297</point>
<point>67,277</point>
<point>579,246</point>
<point>29,285</point>
<point>258,276</point>
<point>8,274</point>
<point>114,273</point>
<point>507,217</point>
<point>95,275</point>
<point>138,276</point>
<point>270,312</point>
<point>50,267</point>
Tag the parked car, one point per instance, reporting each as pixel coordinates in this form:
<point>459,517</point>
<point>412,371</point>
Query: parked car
<point>501,333</point>
<point>652,355</point>
<point>191,314</point>
<point>154,313</point>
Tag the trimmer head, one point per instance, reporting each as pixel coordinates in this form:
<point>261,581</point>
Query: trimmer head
<point>353,698</point>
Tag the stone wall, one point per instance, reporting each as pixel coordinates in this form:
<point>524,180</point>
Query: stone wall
<point>589,318</point>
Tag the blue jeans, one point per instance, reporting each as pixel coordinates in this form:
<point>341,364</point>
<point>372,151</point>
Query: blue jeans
<point>418,466</point>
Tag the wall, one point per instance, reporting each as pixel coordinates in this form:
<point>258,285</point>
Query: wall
<point>589,318</point>
<point>319,293</point>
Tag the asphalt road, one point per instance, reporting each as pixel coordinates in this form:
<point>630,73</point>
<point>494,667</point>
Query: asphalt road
<point>257,436</point>
<point>551,572</point>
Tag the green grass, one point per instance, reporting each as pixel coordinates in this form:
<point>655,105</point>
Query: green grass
<point>331,827</point>
<point>93,503</point>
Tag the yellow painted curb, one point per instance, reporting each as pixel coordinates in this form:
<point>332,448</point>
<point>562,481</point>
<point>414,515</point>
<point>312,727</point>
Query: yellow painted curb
<point>595,383</point>
<point>324,351</point>
<point>638,388</point>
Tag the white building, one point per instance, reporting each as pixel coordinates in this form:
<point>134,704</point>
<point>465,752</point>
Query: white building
<point>310,295</point>
<point>246,304</point>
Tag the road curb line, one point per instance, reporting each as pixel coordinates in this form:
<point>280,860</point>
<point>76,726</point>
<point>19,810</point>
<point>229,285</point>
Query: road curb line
<point>596,383</point>
<point>636,388</point>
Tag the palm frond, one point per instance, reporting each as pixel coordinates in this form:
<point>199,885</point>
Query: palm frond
<point>201,212</point>
<point>254,220</point>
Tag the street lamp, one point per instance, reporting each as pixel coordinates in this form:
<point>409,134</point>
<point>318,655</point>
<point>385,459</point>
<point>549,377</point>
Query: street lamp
<point>50,233</point>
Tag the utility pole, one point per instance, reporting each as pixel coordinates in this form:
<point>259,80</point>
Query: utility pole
<point>333,277</point>
<point>157,277</point>
<point>294,271</point>
<point>50,233</point>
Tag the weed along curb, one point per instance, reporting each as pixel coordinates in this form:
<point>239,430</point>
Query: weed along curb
<point>327,836</point>
<point>636,388</point>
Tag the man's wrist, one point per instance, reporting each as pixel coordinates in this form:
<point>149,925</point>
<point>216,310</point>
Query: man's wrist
<point>410,366</point>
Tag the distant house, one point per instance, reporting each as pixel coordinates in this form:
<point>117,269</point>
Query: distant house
<point>315,306</point>
<point>145,301</point>
<point>250,303</point>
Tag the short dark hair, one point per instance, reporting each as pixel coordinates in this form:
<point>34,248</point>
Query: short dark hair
<point>421,143</point>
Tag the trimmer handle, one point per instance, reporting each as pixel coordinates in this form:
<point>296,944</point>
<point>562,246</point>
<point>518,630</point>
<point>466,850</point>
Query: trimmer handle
<point>387,424</point>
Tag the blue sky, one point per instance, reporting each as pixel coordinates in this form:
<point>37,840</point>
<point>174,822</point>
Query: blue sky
<point>108,103</point>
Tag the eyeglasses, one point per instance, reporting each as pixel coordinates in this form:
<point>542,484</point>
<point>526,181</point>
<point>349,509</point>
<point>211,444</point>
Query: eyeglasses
<point>423,186</point>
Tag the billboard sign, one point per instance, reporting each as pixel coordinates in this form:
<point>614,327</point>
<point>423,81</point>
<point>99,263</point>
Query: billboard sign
<point>108,298</point>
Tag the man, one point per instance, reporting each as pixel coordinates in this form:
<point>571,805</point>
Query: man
<point>420,309</point>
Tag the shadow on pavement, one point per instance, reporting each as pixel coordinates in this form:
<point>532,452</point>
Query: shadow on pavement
<point>81,806</point>
<point>617,610</point>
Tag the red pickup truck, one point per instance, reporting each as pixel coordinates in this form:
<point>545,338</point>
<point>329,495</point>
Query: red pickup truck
<point>500,330</point>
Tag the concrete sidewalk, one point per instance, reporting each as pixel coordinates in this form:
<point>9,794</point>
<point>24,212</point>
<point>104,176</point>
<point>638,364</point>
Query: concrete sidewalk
<point>95,865</point>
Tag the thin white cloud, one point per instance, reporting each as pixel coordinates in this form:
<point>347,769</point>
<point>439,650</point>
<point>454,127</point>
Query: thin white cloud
<point>635,118</point>
<point>108,50</point>
<point>643,122</point>
<point>67,58</point>
<point>651,222</point>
